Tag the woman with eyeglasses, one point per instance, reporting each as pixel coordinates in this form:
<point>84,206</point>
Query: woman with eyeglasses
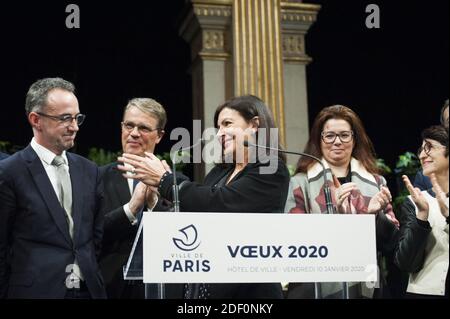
<point>423,245</point>
<point>339,139</point>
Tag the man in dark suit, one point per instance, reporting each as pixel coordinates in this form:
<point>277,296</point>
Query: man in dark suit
<point>142,128</point>
<point>51,221</point>
<point>3,156</point>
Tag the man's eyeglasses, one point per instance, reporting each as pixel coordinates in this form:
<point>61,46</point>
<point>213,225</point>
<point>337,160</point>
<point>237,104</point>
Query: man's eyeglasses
<point>427,148</point>
<point>330,137</point>
<point>129,127</point>
<point>67,119</point>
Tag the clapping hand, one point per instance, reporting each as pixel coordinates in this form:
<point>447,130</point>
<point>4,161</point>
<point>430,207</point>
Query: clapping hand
<point>148,169</point>
<point>138,198</point>
<point>418,199</point>
<point>380,200</point>
<point>342,194</point>
<point>440,196</point>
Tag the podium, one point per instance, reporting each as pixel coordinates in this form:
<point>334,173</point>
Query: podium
<point>253,248</point>
<point>134,269</point>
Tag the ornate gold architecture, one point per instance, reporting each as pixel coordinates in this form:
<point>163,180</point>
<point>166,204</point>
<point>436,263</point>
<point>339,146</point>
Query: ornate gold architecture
<point>251,47</point>
<point>257,53</point>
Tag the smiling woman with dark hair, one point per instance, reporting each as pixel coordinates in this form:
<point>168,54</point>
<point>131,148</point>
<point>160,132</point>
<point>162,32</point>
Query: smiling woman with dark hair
<point>423,182</point>
<point>423,245</point>
<point>240,186</point>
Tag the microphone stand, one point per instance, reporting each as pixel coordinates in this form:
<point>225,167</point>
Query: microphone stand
<point>176,199</point>
<point>161,290</point>
<point>175,189</point>
<point>328,203</point>
<point>327,191</point>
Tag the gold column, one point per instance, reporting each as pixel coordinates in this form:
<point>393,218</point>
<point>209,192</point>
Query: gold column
<point>296,19</point>
<point>206,26</point>
<point>258,55</point>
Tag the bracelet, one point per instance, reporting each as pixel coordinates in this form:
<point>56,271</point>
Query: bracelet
<point>167,173</point>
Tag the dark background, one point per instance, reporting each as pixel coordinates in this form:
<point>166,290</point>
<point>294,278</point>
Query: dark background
<point>395,78</point>
<point>123,50</point>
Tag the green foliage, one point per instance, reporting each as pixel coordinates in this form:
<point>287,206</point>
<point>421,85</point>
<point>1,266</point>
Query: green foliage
<point>407,164</point>
<point>385,169</point>
<point>398,201</point>
<point>4,146</point>
<point>102,157</point>
<point>7,147</point>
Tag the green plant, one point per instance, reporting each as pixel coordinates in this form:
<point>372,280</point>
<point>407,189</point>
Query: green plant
<point>102,157</point>
<point>9,148</point>
<point>4,146</point>
<point>407,164</point>
<point>398,201</point>
<point>385,169</point>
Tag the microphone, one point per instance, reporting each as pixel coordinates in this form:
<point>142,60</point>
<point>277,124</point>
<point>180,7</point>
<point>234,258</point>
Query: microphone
<point>327,192</point>
<point>176,203</point>
<point>175,189</point>
<point>328,201</point>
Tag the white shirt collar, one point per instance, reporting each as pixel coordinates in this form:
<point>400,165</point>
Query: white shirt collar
<point>355,166</point>
<point>45,154</point>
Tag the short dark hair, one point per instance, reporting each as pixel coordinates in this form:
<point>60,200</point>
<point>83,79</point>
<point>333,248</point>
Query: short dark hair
<point>37,95</point>
<point>437,133</point>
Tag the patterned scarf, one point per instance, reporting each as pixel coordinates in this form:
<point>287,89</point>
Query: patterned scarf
<point>306,191</point>
<point>306,195</point>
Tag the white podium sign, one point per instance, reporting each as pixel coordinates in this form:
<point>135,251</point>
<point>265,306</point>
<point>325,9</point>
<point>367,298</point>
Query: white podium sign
<point>232,247</point>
